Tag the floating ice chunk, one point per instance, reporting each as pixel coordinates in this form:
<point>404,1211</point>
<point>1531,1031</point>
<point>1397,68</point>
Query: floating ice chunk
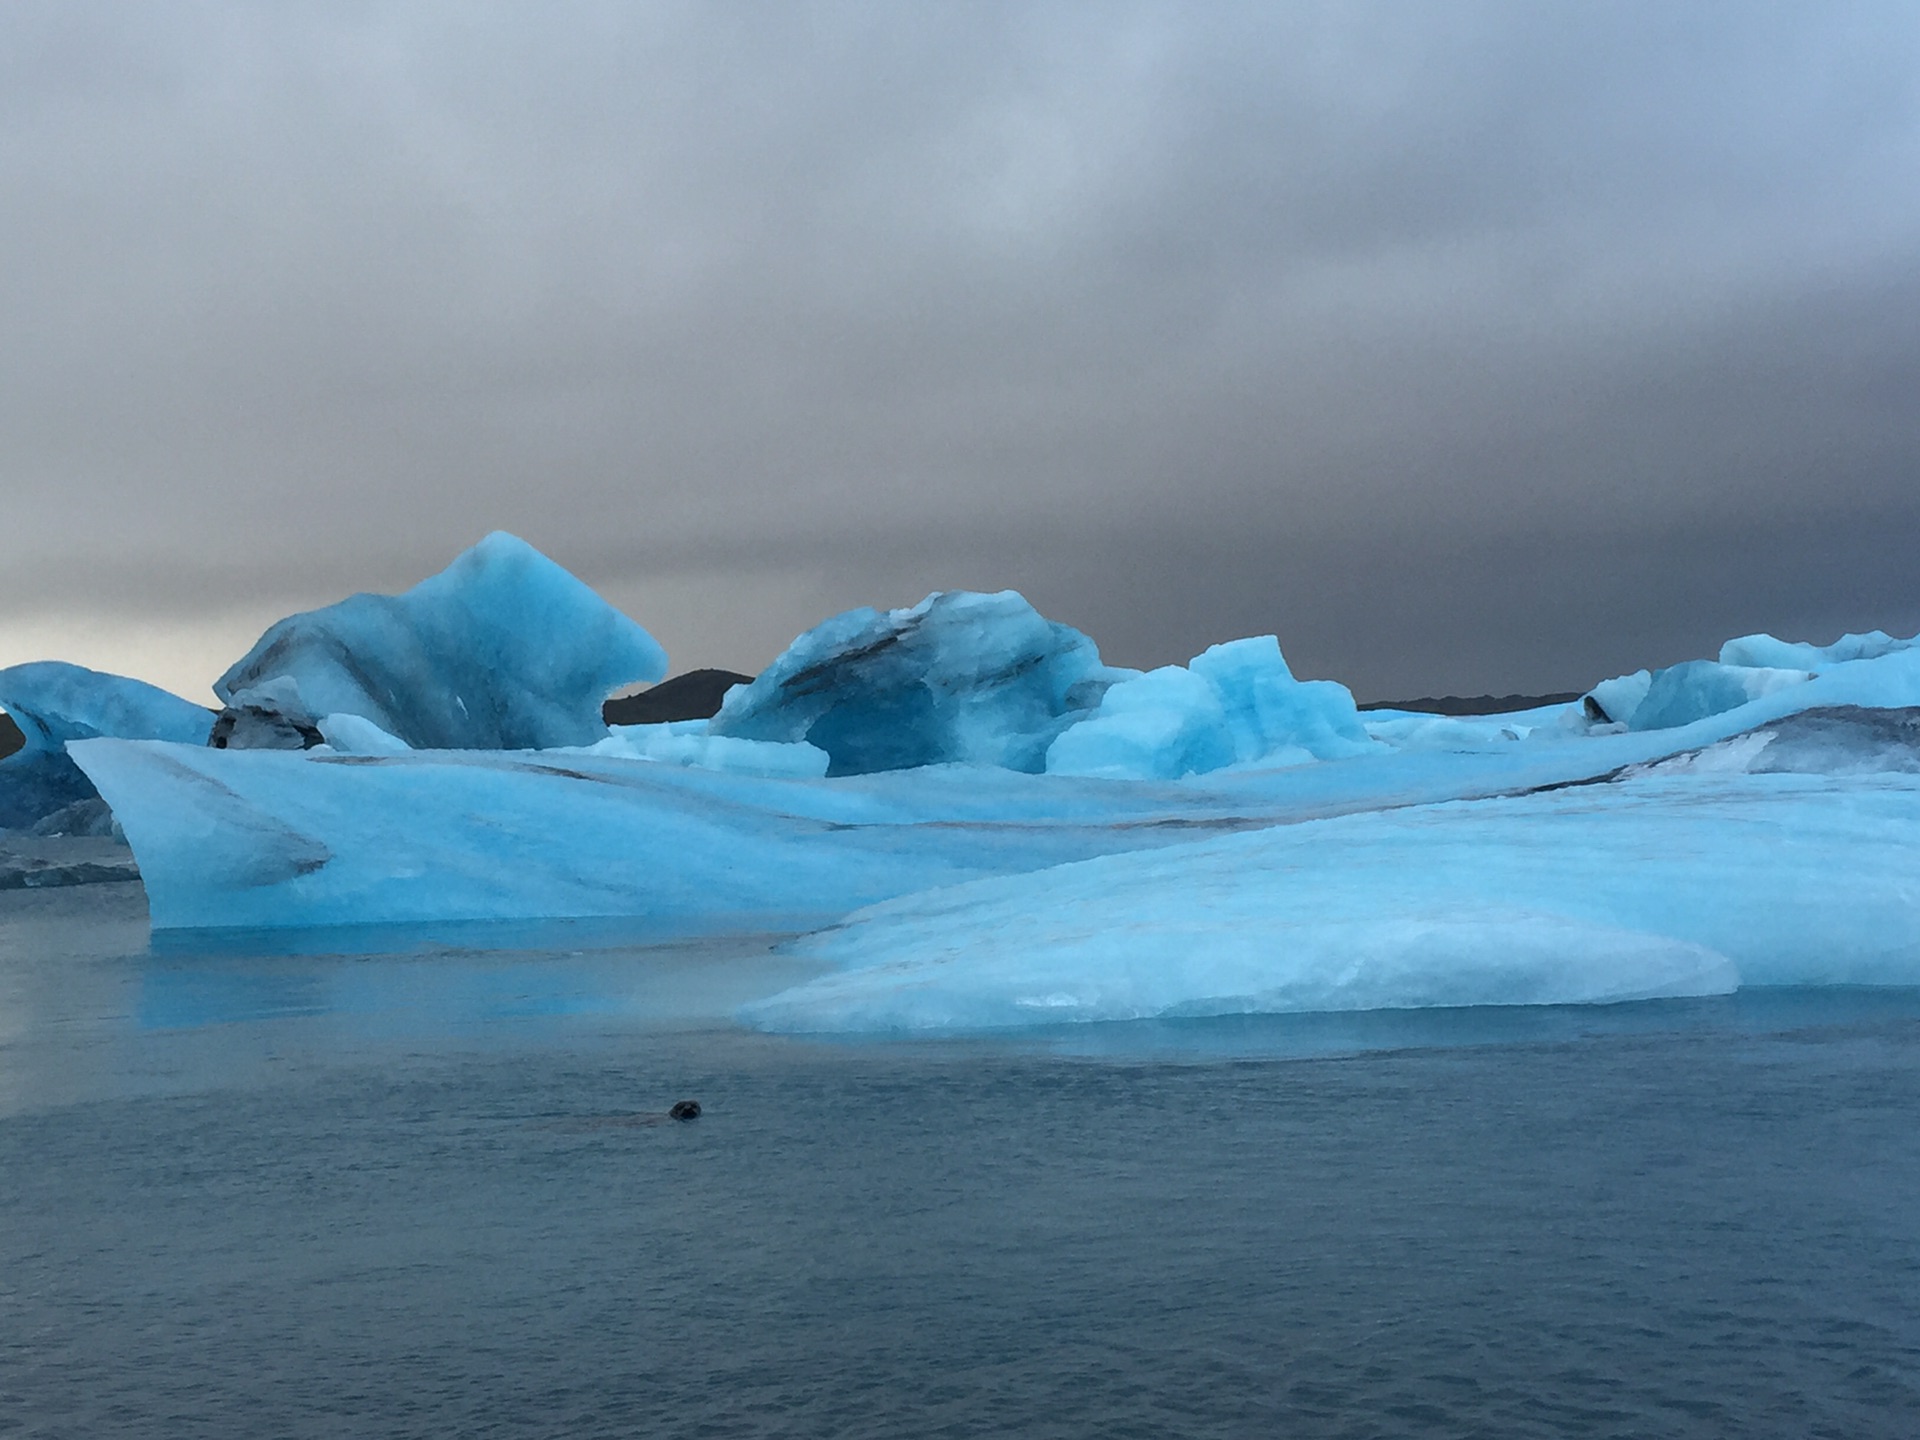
<point>1412,730</point>
<point>1235,704</point>
<point>1765,652</point>
<point>501,650</point>
<point>1184,966</point>
<point>356,735</point>
<point>961,676</point>
<point>1665,885</point>
<point>1268,710</point>
<point>1612,702</point>
<point>1681,694</point>
<point>1163,724</point>
<point>53,702</point>
<point>687,742</point>
<point>268,716</point>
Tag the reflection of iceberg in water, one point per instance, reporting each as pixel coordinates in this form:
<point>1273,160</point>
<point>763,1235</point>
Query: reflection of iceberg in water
<point>438,990</point>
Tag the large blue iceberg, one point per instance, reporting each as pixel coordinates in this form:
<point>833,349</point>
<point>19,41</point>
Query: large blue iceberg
<point>502,650</point>
<point>977,679</point>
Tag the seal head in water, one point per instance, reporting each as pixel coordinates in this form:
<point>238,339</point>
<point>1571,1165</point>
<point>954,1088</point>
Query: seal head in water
<point>685,1110</point>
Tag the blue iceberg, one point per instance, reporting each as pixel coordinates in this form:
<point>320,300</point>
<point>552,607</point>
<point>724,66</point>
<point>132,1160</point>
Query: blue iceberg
<point>53,702</point>
<point>503,650</point>
<point>1236,704</point>
<point>978,823</point>
<point>960,677</point>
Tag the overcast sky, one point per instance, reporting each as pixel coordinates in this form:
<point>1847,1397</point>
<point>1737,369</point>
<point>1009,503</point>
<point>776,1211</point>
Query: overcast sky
<point>1463,346</point>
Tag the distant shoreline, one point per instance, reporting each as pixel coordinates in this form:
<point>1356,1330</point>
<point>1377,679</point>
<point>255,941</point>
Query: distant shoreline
<point>1475,704</point>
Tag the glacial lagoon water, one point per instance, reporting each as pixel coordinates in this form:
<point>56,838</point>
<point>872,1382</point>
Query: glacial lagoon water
<point>248,1191</point>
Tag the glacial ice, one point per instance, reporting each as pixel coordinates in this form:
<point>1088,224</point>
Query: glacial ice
<point>980,679</point>
<point>1652,887</point>
<point>502,650</point>
<point>1681,694</point>
<point>53,702</point>
<point>1237,703</point>
<point>1010,832</point>
<point>1765,652</point>
<point>454,835</point>
<point>347,734</point>
<point>1749,668</point>
<point>688,742</point>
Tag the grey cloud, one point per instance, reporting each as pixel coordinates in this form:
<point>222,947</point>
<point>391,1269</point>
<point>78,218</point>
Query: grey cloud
<point>1388,327</point>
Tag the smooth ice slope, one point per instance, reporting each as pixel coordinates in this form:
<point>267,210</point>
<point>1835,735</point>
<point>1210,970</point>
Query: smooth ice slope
<point>1659,886</point>
<point>53,702</point>
<point>279,838</point>
<point>983,679</point>
<point>1238,703</point>
<point>501,650</point>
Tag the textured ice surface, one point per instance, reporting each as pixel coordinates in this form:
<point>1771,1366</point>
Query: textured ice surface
<point>1765,652</point>
<point>984,679</point>
<point>1612,702</point>
<point>1841,740</point>
<point>52,702</point>
<point>1412,730</point>
<point>1236,704</point>
<point>501,650</point>
<point>241,838</point>
<point>1681,694</point>
<point>1749,668</point>
<point>290,838</point>
<point>688,742</point>
<point>1657,886</point>
<point>357,735</point>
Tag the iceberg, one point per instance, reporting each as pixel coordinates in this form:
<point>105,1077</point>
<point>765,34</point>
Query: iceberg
<point>966,677</point>
<point>1748,669</point>
<point>502,650</point>
<point>296,838</point>
<point>1650,886</point>
<point>52,702</point>
<point>1766,653</point>
<point>1681,694</point>
<point>1237,703</point>
<point>687,742</point>
<point>483,835</point>
<point>892,760</point>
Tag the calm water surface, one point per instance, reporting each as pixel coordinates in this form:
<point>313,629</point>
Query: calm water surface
<point>258,1194</point>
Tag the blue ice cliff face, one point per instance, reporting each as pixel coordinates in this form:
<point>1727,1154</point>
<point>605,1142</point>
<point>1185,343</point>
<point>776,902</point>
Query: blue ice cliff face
<point>501,650</point>
<point>982,679</point>
<point>53,702</point>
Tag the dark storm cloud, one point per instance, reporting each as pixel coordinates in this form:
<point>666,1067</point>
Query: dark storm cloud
<point>1465,346</point>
